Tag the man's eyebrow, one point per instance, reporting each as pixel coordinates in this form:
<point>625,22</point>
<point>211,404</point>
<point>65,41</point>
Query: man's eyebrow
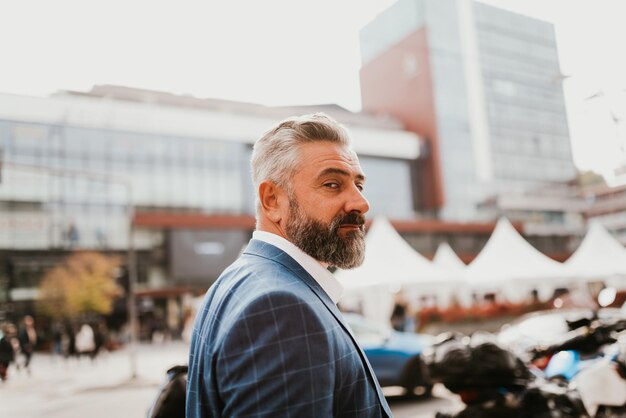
<point>342,172</point>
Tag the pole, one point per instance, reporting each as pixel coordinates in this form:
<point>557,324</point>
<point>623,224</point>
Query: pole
<point>132,282</point>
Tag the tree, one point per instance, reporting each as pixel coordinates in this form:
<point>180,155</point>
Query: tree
<point>590,178</point>
<point>82,284</point>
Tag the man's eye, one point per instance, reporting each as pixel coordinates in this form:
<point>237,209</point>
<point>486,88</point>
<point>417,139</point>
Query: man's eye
<point>331,185</point>
<point>360,187</point>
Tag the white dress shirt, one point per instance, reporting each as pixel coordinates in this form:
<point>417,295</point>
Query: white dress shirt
<point>322,276</point>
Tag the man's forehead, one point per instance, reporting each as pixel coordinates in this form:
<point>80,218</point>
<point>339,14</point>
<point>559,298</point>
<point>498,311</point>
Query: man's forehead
<point>328,158</point>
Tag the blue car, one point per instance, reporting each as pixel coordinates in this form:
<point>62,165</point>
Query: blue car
<point>394,356</point>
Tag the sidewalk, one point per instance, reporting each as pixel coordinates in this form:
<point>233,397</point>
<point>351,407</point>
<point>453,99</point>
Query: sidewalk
<point>102,389</point>
<point>71,388</point>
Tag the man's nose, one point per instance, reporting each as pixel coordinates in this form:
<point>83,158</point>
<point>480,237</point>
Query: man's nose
<point>357,202</point>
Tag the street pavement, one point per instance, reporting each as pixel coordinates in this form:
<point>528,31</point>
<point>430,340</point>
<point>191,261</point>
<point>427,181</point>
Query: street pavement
<point>103,388</point>
<point>73,388</point>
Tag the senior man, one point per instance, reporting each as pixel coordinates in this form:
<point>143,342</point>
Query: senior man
<point>269,340</point>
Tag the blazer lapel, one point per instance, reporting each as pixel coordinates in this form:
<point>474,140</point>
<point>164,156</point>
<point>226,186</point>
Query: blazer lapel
<point>266,250</point>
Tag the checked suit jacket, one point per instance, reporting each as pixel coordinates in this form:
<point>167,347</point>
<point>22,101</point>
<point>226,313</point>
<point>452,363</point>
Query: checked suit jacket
<point>269,342</point>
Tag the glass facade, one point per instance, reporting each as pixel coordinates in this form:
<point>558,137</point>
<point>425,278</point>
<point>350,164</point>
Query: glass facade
<point>530,142</point>
<point>526,134</point>
<point>388,187</point>
<point>447,55</point>
<point>76,182</point>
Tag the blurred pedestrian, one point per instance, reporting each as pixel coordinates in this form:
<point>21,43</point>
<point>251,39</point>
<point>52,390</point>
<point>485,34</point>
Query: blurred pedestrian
<point>269,339</point>
<point>68,340</point>
<point>9,344</point>
<point>188,318</point>
<point>28,340</point>
<point>85,341</point>
<point>399,314</point>
<point>57,332</point>
<point>101,336</point>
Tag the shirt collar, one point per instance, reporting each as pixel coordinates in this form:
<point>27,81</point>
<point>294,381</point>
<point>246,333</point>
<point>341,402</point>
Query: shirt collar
<point>322,276</point>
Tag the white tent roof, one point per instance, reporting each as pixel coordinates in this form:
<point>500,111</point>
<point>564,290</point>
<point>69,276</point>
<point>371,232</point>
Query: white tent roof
<point>391,265</point>
<point>509,260</point>
<point>446,258</point>
<point>390,260</point>
<point>598,256</point>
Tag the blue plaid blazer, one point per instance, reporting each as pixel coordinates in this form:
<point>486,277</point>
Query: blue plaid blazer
<point>269,342</point>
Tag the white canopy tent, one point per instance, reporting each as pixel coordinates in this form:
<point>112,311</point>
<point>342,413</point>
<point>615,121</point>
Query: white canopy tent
<point>446,258</point>
<point>508,263</point>
<point>392,265</point>
<point>599,257</point>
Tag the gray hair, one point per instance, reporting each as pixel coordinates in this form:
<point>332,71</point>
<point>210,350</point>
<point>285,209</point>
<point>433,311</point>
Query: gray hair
<point>276,154</point>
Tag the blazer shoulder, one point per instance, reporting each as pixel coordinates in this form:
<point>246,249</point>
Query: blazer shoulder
<point>253,279</point>
<point>257,272</point>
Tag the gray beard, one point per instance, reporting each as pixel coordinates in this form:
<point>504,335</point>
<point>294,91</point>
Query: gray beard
<point>323,242</point>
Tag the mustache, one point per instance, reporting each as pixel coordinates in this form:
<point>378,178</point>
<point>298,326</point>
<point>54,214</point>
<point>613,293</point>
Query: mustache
<point>352,218</point>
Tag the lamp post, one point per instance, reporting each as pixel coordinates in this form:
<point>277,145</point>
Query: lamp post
<point>132,282</point>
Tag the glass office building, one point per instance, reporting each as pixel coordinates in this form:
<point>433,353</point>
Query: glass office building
<point>483,87</point>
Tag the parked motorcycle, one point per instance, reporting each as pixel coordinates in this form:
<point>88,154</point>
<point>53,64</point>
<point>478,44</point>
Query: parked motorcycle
<point>494,382</point>
<point>577,350</point>
<point>601,381</point>
<point>584,345</point>
<point>585,374</point>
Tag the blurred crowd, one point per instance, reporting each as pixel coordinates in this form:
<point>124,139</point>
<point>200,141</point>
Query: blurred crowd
<point>17,345</point>
<point>70,339</point>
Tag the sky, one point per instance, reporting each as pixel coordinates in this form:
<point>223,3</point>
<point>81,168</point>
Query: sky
<point>280,52</point>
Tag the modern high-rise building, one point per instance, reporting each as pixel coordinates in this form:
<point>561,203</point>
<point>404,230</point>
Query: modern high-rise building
<point>483,87</point>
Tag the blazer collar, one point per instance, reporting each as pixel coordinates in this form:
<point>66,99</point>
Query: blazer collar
<point>269,251</point>
<point>322,276</point>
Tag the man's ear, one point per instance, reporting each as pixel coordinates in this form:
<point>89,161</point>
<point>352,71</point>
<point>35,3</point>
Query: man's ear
<point>270,196</point>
